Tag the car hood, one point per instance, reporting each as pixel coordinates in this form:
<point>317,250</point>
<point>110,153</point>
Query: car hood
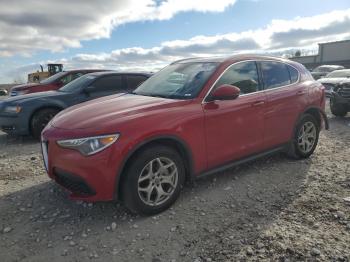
<point>24,86</point>
<point>334,80</point>
<point>34,96</point>
<point>112,110</point>
<point>319,73</point>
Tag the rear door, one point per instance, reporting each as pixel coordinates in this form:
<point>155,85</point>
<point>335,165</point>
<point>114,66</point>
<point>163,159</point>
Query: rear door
<point>286,98</point>
<point>234,128</point>
<point>107,85</point>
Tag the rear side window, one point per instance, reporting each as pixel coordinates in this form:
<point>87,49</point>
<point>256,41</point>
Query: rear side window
<point>77,75</point>
<point>244,75</point>
<point>294,74</point>
<point>134,81</point>
<point>109,83</point>
<point>275,74</point>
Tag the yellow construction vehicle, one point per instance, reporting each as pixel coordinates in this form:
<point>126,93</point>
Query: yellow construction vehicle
<point>51,70</point>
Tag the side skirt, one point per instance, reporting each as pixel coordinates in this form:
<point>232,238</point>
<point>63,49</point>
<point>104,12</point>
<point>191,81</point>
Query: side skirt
<point>242,161</point>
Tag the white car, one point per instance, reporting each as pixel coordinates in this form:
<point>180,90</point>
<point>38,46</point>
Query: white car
<point>334,78</point>
<point>323,70</point>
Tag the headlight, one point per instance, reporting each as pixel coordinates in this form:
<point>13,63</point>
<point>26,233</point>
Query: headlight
<point>13,109</point>
<point>89,145</point>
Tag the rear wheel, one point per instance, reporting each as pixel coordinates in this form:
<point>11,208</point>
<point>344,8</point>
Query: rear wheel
<point>40,119</point>
<point>305,137</point>
<point>336,109</point>
<point>153,180</point>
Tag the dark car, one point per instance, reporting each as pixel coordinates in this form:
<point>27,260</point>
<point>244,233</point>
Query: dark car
<point>323,70</point>
<point>193,118</point>
<point>52,83</point>
<point>334,78</point>
<point>29,114</point>
<point>340,99</point>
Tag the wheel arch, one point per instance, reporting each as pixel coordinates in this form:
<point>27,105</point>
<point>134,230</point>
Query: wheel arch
<point>317,113</point>
<point>36,110</point>
<point>168,140</point>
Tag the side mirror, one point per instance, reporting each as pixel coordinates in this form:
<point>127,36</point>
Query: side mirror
<point>225,92</point>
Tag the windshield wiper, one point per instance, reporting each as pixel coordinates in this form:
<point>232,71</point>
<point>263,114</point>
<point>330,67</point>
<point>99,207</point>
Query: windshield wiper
<point>152,95</point>
<point>157,95</point>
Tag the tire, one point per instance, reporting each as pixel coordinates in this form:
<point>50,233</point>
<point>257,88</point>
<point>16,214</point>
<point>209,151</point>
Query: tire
<point>302,146</point>
<point>141,188</point>
<point>337,110</point>
<point>40,119</point>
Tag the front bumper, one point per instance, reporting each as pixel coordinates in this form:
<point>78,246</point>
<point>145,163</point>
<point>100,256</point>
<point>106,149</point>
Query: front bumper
<point>14,125</point>
<point>328,89</point>
<point>340,100</point>
<point>92,178</point>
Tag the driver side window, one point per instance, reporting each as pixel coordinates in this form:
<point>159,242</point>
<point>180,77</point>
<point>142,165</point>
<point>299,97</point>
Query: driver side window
<point>243,75</point>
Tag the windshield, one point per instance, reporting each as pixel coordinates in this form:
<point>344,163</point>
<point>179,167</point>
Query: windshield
<point>342,73</point>
<point>78,84</point>
<point>53,78</point>
<point>178,81</point>
<point>325,69</point>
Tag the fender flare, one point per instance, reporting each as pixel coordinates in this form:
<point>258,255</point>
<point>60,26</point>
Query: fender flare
<point>325,119</point>
<point>149,140</point>
<point>321,112</point>
<point>41,107</point>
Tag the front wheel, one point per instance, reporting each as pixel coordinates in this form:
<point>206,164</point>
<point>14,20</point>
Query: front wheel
<point>305,138</point>
<point>40,119</point>
<point>153,181</point>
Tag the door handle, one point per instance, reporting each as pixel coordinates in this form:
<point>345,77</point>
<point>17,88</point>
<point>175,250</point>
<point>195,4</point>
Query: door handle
<point>258,103</point>
<point>301,92</point>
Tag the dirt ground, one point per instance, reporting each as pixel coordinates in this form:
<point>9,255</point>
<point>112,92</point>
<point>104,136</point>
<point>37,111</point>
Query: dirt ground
<point>272,209</point>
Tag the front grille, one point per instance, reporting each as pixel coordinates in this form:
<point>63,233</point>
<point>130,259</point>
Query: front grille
<point>73,183</point>
<point>8,128</point>
<point>344,91</point>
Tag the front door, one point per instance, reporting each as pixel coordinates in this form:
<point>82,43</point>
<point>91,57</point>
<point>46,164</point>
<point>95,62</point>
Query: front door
<point>234,128</point>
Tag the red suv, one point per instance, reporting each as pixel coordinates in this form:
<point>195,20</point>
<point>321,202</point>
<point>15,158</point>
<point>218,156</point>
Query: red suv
<point>193,118</point>
<point>54,82</point>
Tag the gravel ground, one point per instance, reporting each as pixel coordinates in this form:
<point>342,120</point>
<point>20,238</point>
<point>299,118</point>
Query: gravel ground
<point>271,209</point>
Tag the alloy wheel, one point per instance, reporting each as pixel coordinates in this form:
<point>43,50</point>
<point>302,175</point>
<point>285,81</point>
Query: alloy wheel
<point>307,137</point>
<point>157,181</point>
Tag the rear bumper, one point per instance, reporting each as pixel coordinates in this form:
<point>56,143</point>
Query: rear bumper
<point>14,125</point>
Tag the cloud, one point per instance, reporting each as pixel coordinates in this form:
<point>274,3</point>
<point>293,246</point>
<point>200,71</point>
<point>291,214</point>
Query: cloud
<point>278,37</point>
<point>27,26</point>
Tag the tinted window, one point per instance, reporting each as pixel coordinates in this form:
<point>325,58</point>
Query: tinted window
<point>70,77</point>
<point>53,78</point>
<point>78,84</point>
<point>109,83</point>
<point>243,75</point>
<point>275,74</point>
<point>134,81</point>
<point>294,74</point>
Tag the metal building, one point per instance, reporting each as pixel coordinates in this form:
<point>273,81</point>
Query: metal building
<point>332,53</point>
